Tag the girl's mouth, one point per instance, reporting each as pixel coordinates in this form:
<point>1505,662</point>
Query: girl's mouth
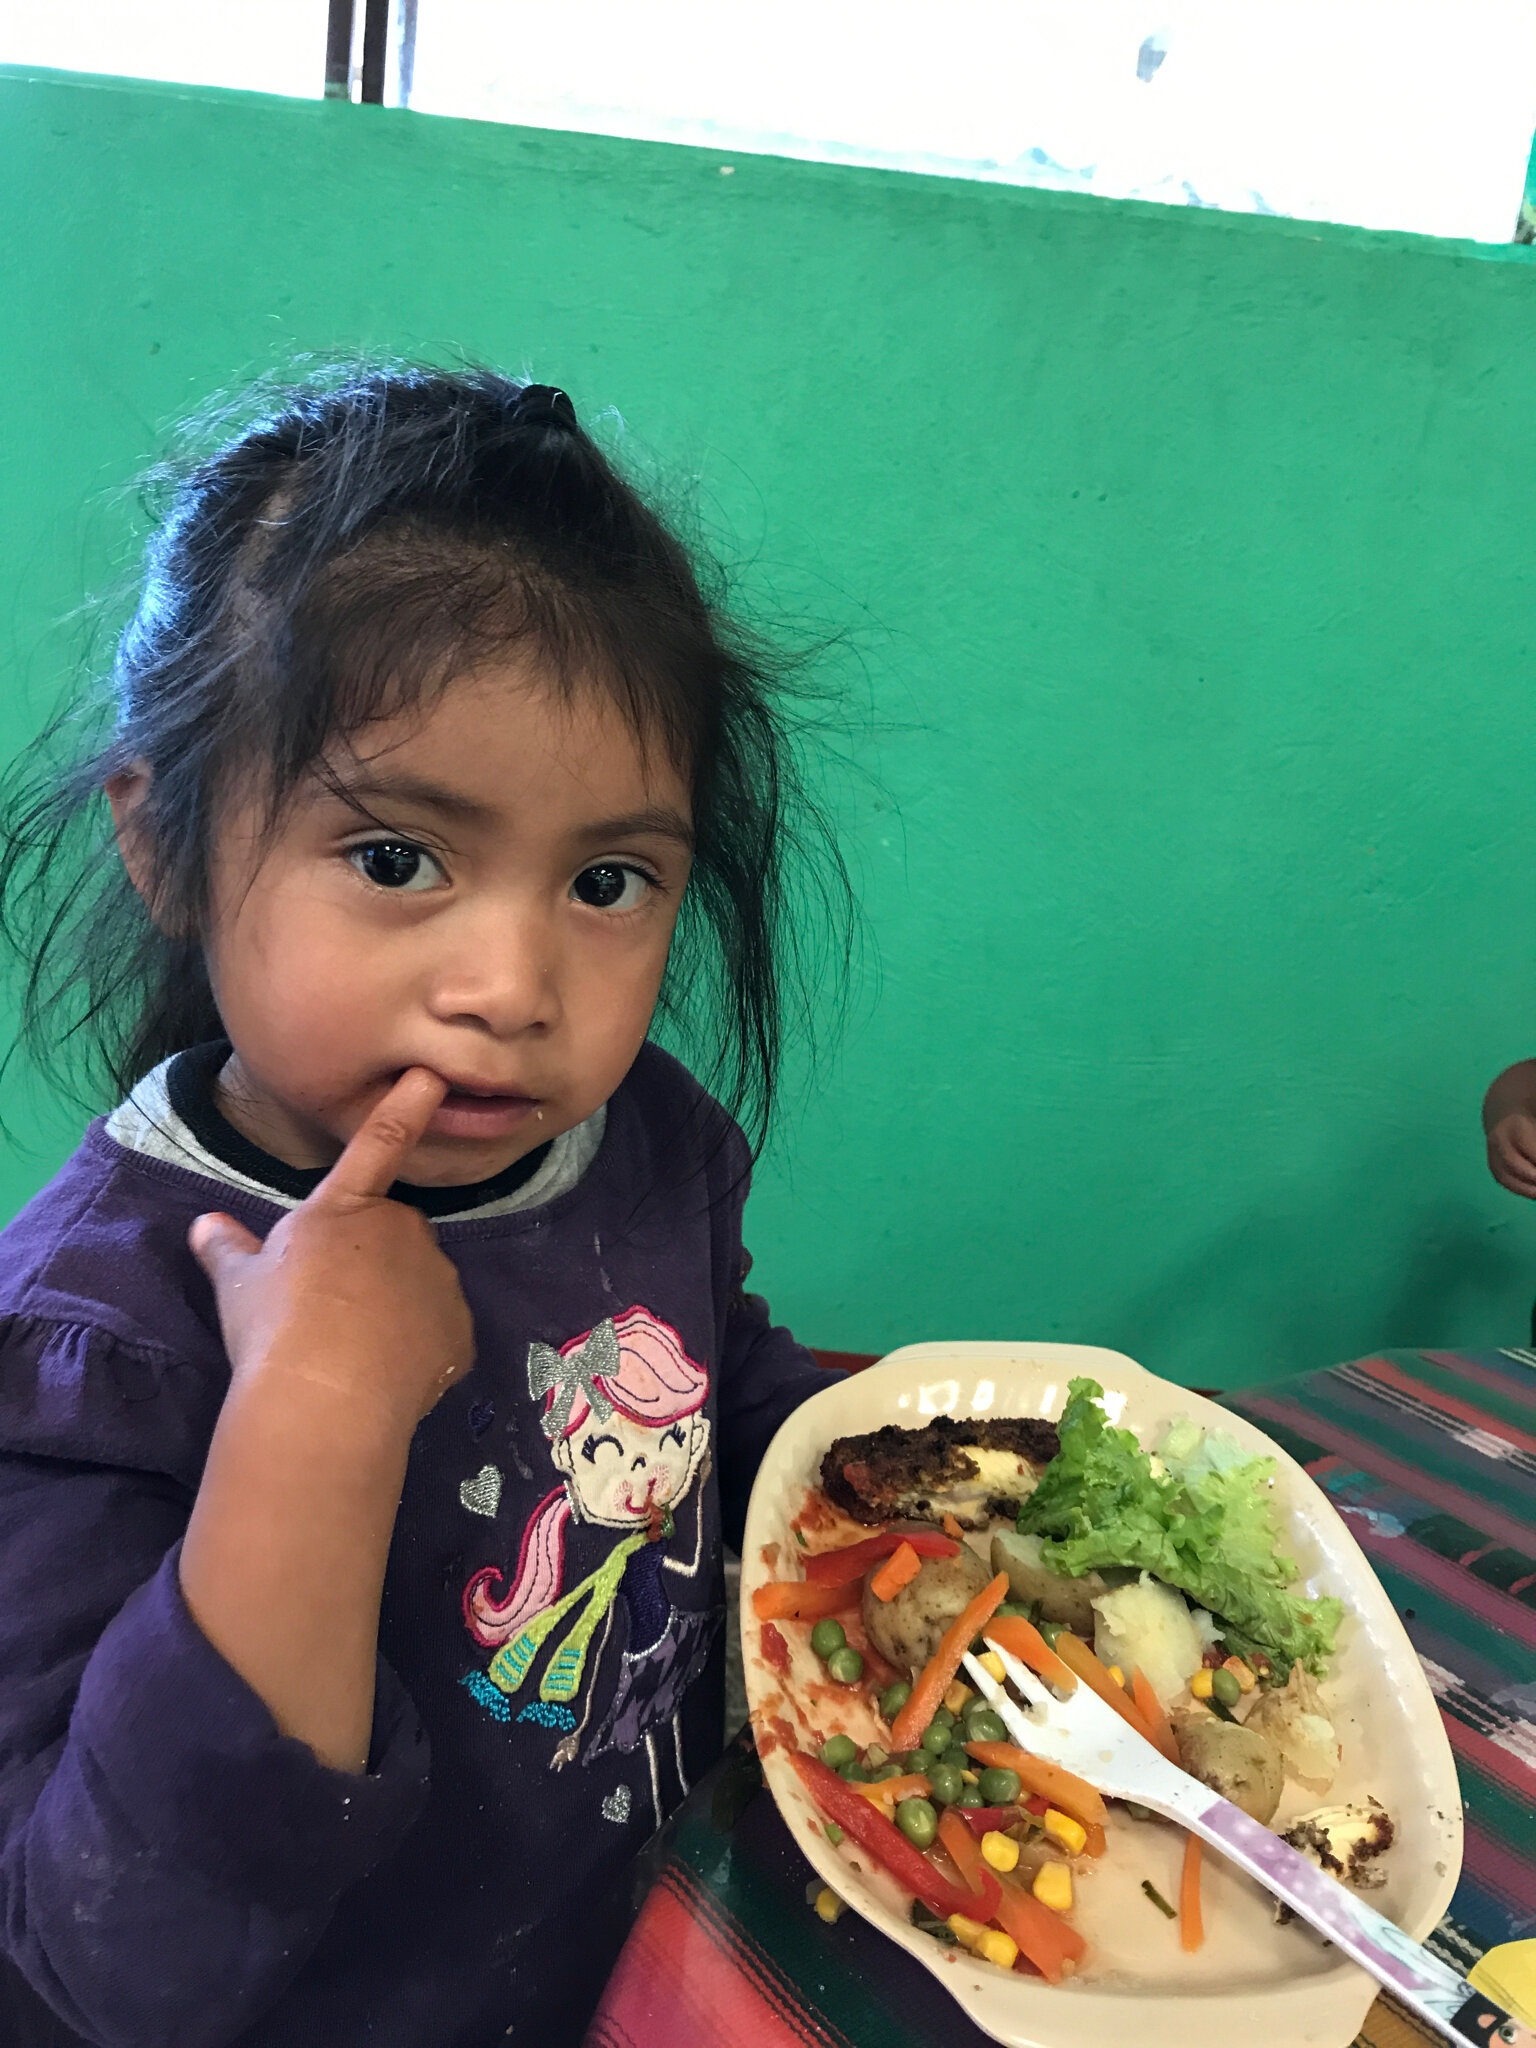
<point>461,1114</point>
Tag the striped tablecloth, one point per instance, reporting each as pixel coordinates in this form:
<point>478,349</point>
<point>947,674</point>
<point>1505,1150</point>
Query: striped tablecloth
<point>1431,1456</point>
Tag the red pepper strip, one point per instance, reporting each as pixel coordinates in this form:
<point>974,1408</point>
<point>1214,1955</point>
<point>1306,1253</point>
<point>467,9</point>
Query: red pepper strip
<point>841,1567</point>
<point>981,1820</point>
<point>1037,1806</point>
<point>889,1846</point>
<point>798,1600</point>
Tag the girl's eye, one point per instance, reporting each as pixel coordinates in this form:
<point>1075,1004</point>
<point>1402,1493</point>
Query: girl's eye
<point>590,1448</point>
<point>396,864</point>
<point>674,1436</point>
<point>610,885</point>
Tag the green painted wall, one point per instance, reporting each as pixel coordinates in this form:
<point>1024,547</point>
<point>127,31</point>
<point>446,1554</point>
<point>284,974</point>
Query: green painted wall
<point>1189,559</point>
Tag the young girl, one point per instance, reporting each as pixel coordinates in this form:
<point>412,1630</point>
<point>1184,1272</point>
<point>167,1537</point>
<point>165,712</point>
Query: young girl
<point>376,1381</point>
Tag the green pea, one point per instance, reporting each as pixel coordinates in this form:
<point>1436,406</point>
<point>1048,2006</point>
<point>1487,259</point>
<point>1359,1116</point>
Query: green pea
<point>998,1786</point>
<point>855,1774</point>
<point>945,1784</point>
<point>827,1637</point>
<point>1224,1687</point>
<point>970,1797</point>
<point>838,1750</point>
<point>942,1718</point>
<point>884,1771</point>
<point>834,1833</point>
<point>846,1666</point>
<point>1012,1607</point>
<point>917,1821</point>
<point>957,1757</point>
<point>915,1759</point>
<point>987,1726</point>
<point>936,1737</point>
<point>1051,1630</point>
<point>894,1698</point>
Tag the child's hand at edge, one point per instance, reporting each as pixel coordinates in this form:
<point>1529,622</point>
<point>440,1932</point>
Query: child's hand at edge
<point>1509,1122</point>
<point>349,1289</point>
<point>343,1329</point>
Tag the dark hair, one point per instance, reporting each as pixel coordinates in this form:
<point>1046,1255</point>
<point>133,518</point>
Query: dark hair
<point>367,539</point>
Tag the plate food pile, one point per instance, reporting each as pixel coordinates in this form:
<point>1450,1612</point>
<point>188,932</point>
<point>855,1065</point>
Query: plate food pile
<point>1155,1567</point>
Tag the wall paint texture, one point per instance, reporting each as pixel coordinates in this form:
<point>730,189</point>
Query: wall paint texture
<point>1188,566</point>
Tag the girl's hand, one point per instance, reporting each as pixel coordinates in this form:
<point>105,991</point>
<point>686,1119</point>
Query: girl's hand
<point>1512,1153</point>
<point>350,1291</point>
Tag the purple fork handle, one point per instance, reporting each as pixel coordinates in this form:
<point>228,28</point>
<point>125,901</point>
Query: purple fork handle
<point>1440,1996</point>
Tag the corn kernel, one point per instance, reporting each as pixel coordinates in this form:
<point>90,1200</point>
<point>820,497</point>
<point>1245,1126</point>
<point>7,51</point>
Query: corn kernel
<point>992,1664</point>
<point>1241,1672</point>
<point>997,1947</point>
<point>957,1696</point>
<point>1200,1684</point>
<point>971,1777</point>
<point>1053,1887</point>
<point>967,1932</point>
<point>1000,1850</point>
<point>1061,1827</point>
<point>829,1906</point>
<point>1117,1674</point>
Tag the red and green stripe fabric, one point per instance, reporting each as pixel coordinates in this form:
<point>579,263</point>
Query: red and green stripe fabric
<point>1431,1457</point>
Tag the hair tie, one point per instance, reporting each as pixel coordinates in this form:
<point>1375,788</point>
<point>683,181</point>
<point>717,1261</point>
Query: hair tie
<point>545,405</point>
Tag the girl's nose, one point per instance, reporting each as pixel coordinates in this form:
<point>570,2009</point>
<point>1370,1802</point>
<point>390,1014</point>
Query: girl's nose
<point>502,974</point>
<point>637,1461</point>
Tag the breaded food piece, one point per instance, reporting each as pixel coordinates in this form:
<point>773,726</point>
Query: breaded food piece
<point>972,1470</point>
<point>1345,1841</point>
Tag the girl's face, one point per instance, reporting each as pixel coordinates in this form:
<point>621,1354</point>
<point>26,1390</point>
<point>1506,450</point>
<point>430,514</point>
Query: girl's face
<point>491,894</point>
<point>619,1470</point>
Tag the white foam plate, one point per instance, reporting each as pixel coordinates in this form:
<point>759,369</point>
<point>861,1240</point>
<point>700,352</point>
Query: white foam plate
<point>1252,1980</point>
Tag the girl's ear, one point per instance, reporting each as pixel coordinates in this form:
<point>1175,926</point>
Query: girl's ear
<point>127,791</point>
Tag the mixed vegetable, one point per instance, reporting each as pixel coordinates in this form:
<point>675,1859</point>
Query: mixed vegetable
<point>1104,1581</point>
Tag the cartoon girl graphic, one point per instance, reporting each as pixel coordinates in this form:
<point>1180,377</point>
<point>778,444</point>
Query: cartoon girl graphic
<point>623,1414</point>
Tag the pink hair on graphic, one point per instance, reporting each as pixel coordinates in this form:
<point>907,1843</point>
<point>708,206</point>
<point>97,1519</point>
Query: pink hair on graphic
<point>535,1583</point>
<point>657,1383</point>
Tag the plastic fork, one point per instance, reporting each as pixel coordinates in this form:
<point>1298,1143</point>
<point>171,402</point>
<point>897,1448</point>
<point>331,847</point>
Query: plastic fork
<point>1089,1738</point>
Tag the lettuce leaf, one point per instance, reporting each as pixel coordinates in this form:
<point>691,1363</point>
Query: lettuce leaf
<point>1199,1518</point>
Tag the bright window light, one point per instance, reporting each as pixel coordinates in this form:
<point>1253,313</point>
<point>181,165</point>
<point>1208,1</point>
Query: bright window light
<point>1411,114</point>
<point>271,46</point>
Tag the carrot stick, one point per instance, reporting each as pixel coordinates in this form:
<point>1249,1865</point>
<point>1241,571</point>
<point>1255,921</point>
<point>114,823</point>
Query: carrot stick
<point>1021,1639</point>
<point>1151,1710</point>
<point>1073,1651</point>
<point>1191,1921</point>
<point>1049,1942</point>
<point>899,1569</point>
<point>798,1600</point>
<point>1095,1844</point>
<point>1072,1794</point>
<point>952,1528</point>
<point>889,1790</point>
<point>962,1846</point>
<point>933,1682</point>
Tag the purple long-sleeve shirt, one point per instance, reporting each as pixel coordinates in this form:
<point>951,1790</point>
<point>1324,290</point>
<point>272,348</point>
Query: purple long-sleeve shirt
<point>174,1872</point>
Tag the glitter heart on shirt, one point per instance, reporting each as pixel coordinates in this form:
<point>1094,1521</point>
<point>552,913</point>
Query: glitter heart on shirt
<point>482,1494</point>
<point>618,1803</point>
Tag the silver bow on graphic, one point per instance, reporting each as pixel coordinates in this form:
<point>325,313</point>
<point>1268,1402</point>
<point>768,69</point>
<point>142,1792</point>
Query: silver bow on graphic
<point>575,1373</point>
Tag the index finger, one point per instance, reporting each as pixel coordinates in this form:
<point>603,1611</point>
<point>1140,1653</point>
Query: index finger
<point>371,1161</point>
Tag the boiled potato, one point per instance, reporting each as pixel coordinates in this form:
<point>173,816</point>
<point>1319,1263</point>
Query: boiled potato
<point>1031,1582</point>
<point>906,1630</point>
<point>1147,1625</point>
<point>1233,1761</point>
